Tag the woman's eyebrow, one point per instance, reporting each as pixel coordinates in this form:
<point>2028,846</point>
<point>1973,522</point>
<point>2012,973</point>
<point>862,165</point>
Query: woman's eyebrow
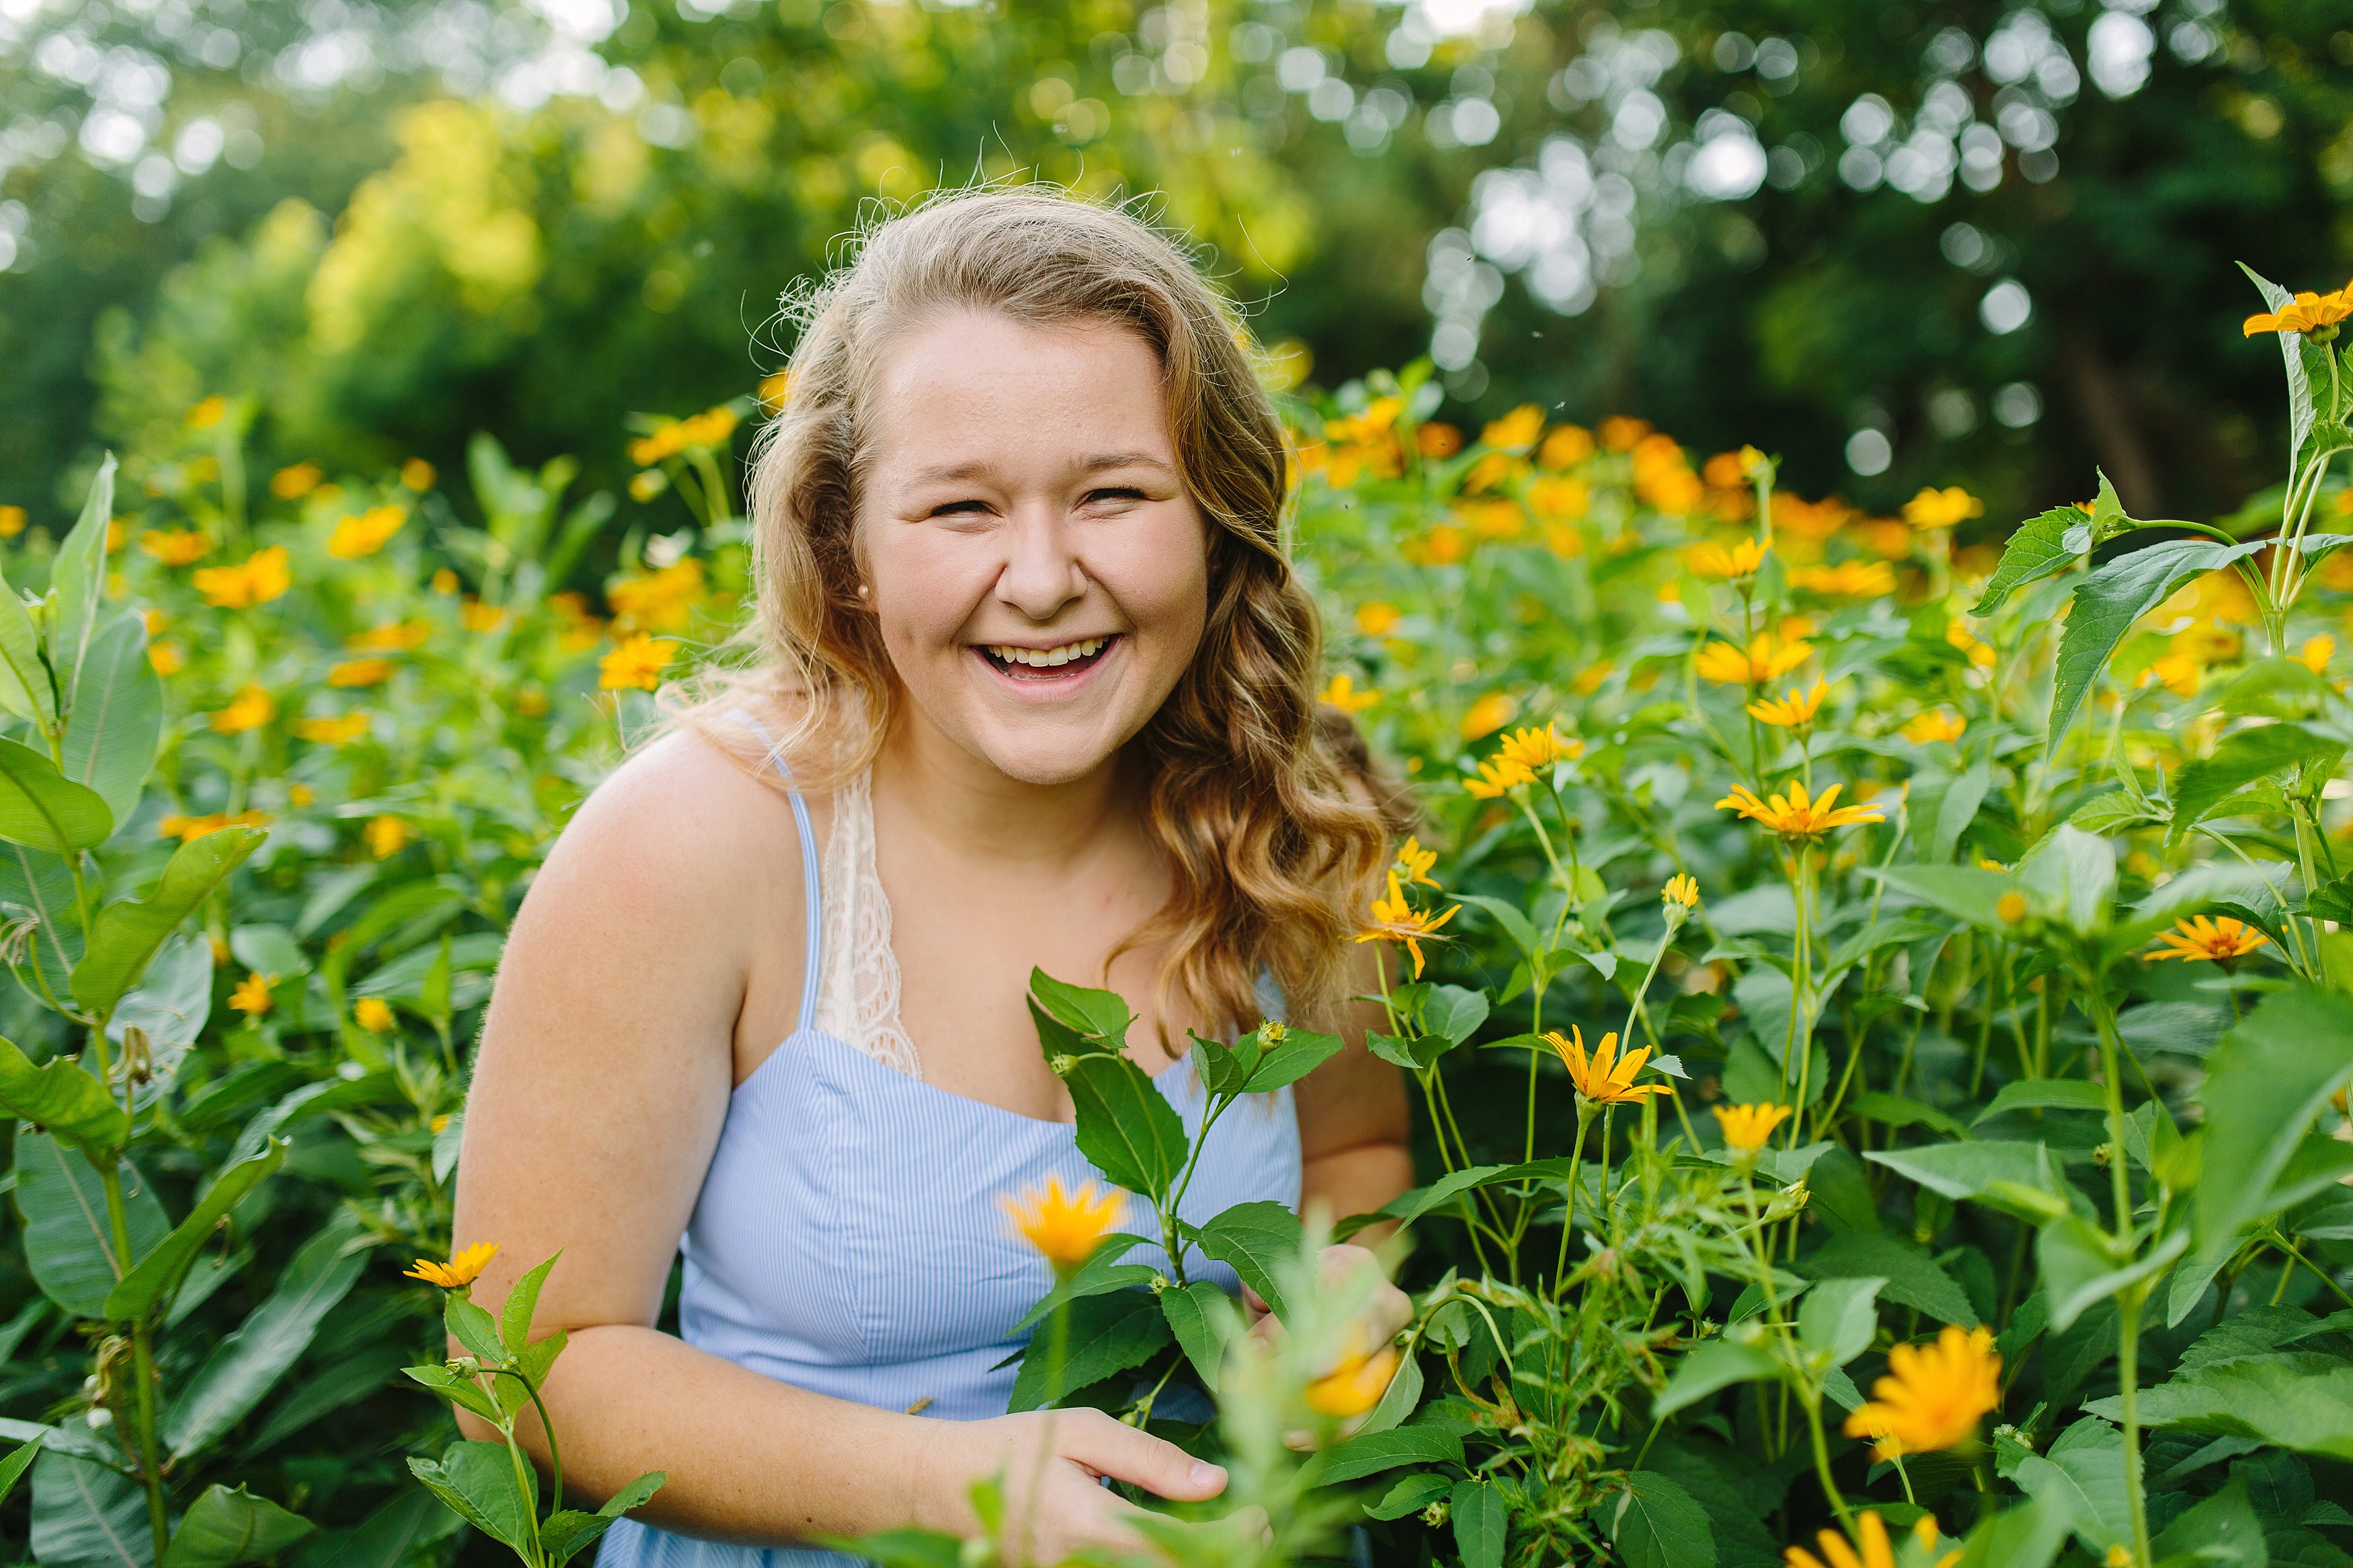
<point>1096,463</point>
<point>1102,460</point>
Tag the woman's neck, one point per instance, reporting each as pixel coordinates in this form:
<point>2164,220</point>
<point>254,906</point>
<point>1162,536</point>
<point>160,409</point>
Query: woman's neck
<point>966,805</point>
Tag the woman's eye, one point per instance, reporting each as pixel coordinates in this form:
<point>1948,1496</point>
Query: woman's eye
<point>958,506</point>
<point>1118,492</point>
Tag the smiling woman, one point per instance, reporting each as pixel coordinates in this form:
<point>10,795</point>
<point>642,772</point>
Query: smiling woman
<point>1030,685</point>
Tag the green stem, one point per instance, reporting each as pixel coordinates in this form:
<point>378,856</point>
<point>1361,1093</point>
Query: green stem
<point>1813,1405</point>
<point>151,1458</point>
<point>1576,1172</point>
<point>2128,1301</point>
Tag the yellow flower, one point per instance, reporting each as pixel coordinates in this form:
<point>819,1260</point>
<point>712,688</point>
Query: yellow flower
<point>294,482</point>
<point>359,672</point>
<point>416,474</point>
<point>476,616</point>
<point>1533,748</point>
<point>2317,652</point>
<point>1794,816</point>
<point>1606,1077</point>
<point>251,996</point>
<point>1517,431</point>
<point>2177,672</point>
<point>385,836</point>
<point>1683,891</point>
<point>648,483</point>
<point>300,796</point>
<point>372,1013</point>
<point>1796,709</point>
<point>179,547</point>
<point>1066,1227</point>
<point>661,601</point>
<point>1497,776</point>
<point>166,657</point>
<point>2219,939</point>
<point>1747,1127</point>
<point>208,413</point>
<point>1413,863</point>
<point>1712,560</point>
<point>1934,507</point>
<point>12,522</point>
<point>1981,654</point>
<point>1395,919</point>
<point>1766,658</point>
<point>1932,1396</point>
<point>1356,1385</point>
<point>367,533</point>
<point>636,663</point>
<point>1567,446</point>
<point>1847,580</point>
<point>1557,500</point>
<point>1875,1550</point>
<point>2010,907</point>
<point>1489,714</point>
<point>1376,619</point>
<point>251,708</point>
<point>257,579</point>
<point>392,636</point>
<point>776,391</point>
<point>1933,724</point>
<point>459,1271</point>
<point>1588,681</point>
<point>334,731</point>
<point>445,581</point>
<point>2308,313</point>
<point>185,828</point>
<point>1341,692</point>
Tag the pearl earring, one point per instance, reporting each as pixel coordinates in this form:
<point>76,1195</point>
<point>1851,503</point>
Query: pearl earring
<point>864,592</point>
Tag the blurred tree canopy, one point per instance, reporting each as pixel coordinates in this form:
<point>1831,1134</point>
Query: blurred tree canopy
<point>1899,241</point>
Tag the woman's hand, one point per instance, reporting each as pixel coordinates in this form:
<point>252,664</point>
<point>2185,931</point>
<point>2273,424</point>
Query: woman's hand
<point>1354,1372</point>
<point>1049,1465</point>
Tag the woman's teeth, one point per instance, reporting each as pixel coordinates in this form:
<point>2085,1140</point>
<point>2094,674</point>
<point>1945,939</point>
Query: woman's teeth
<point>1046,657</point>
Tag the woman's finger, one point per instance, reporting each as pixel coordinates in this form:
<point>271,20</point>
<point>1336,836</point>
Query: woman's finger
<point>1109,1448</point>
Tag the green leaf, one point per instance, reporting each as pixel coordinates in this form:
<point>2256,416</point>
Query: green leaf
<point>1108,1334</point>
<point>1400,1399</point>
<point>481,1483</point>
<point>61,1097</point>
<point>2264,1086</point>
<point>2012,1177</point>
<point>1712,1365</point>
<point>391,1537</point>
<point>243,1367</point>
<point>2223,1530</point>
<point>87,1515</point>
<point>1453,1014</point>
<point>514,1318</point>
<point>2042,547</point>
<point>1480,1522</point>
<point>41,808</point>
<point>1101,1273</point>
<point>2082,1268</point>
<point>118,716</point>
<point>1225,1069</point>
<point>473,1327</point>
<point>1839,1317</point>
<point>2071,875</point>
<point>1970,894</point>
<point>569,1532</point>
<point>1101,1016</point>
<point>77,578</point>
<point>14,1467</point>
<point>68,1244</point>
<point>24,688</point>
<point>2300,1399</point>
<point>126,933</point>
<point>1959,808</point>
<point>1198,1315</point>
<point>1410,1494</point>
<point>2292,350</point>
<point>224,1527</point>
<point>2044,1094</point>
<point>2083,1476</point>
<point>1515,924</point>
<point>2110,600</point>
<point>1291,1058</point>
<point>2028,1537</point>
<point>150,1285</point>
<point>458,1388</point>
<point>1895,1110</point>
<point>2242,757</point>
<point>324,1392</point>
<point>1255,1240</point>
<point>1370,1453</point>
<point>1126,1128</point>
<point>1658,1525</point>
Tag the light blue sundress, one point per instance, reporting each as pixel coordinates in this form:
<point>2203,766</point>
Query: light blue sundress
<point>833,1172</point>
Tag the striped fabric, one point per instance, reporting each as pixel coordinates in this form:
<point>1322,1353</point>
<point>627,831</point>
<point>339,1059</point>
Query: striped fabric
<point>849,1240</point>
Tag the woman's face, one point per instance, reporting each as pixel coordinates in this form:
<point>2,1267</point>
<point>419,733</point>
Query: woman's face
<point>1039,571</point>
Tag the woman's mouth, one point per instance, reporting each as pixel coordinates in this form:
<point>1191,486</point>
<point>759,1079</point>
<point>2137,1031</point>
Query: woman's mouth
<point>1031,665</point>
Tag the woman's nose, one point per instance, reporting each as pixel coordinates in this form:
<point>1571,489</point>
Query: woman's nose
<point>1041,572</point>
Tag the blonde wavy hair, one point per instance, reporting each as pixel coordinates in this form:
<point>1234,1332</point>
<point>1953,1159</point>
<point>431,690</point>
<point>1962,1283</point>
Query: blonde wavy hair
<point>1271,819</point>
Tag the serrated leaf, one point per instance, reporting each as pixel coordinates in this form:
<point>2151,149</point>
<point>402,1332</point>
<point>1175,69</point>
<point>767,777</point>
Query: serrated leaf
<point>2265,1084</point>
<point>514,1318</point>
<point>1910,1276</point>
<point>1657,1524</point>
<point>2044,1094</point>
<point>2296,1399</point>
<point>2012,1177</point>
<point>1838,1317</point>
<point>1101,1016</point>
<point>1370,1453</point>
<point>1255,1240</point>
<point>1481,1522</point>
<point>1712,1365</point>
<point>2110,600</point>
<point>1107,1335</point>
<point>2242,757</point>
<point>1126,1128</point>
<point>1195,1314</point>
<point>2044,546</point>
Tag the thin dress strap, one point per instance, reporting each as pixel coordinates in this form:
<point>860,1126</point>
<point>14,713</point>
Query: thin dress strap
<point>815,913</point>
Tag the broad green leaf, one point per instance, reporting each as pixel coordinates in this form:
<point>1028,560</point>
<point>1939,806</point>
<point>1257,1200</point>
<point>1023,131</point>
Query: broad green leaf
<point>1895,1110</point>
<point>126,934</point>
<point>2223,1530</point>
<point>24,688</point>
<point>1101,1016</point>
<point>1657,1524</point>
<point>1712,1365</point>
<point>1400,1399</point>
<point>391,1537</point>
<point>514,1318</point>
<point>118,716</point>
<point>61,1096</point>
<point>77,578</point>
<point>2242,757</point>
<point>1410,1494</point>
<point>41,885</point>
<point>1515,924</point>
<point>323,1392</point>
<point>43,809</point>
<point>2298,1399</point>
<point>2264,1086</point>
<point>1199,1316</point>
<point>2071,876</point>
<point>568,1532</point>
<point>1255,1240</point>
<point>87,1515</point>
<point>1370,1453</point>
<point>482,1483</point>
<point>268,950</point>
<point>1965,893</point>
<point>14,1467</point>
<point>1225,1069</point>
<point>1126,1128</point>
<point>457,1388</point>
<point>2274,688</point>
<point>1839,1317</point>
<point>1291,1058</point>
<point>1453,1014</point>
<point>2082,1268</point>
<point>474,1328</point>
<point>243,1367</point>
<point>1409,1206</point>
<point>2084,1476</point>
<point>1107,1335</point>
<point>153,1283</point>
<point>1101,1273</point>
<point>2110,600</point>
<point>2026,1537</point>
<point>2300,379</point>
<point>69,1243</point>
<point>2012,1177</point>
<point>2044,1094</point>
<point>1480,1523</point>
<point>224,1527</point>
<point>2042,547</point>
<point>1959,808</point>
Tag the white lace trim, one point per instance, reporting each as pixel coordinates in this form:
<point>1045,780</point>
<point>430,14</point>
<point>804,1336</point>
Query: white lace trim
<point>858,985</point>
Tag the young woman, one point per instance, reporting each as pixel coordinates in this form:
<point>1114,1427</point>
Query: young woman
<point>1033,686</point>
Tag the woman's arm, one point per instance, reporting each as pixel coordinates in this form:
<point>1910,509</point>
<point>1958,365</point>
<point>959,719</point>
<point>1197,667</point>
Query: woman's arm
<point>1354,1128</point>
<point>600,1087</point>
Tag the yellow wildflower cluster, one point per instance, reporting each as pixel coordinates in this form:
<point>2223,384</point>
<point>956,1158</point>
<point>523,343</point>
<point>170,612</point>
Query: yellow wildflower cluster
<point>365,533</point>
<point>1767,658</point>
<point>1945,508</point>
<point>706,429</point>
<point>2315,315</point>
<point>663,600</point>
<point>260,577</point>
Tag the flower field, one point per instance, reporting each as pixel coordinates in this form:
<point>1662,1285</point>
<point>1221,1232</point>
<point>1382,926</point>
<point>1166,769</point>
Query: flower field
<point>1872,988</point>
